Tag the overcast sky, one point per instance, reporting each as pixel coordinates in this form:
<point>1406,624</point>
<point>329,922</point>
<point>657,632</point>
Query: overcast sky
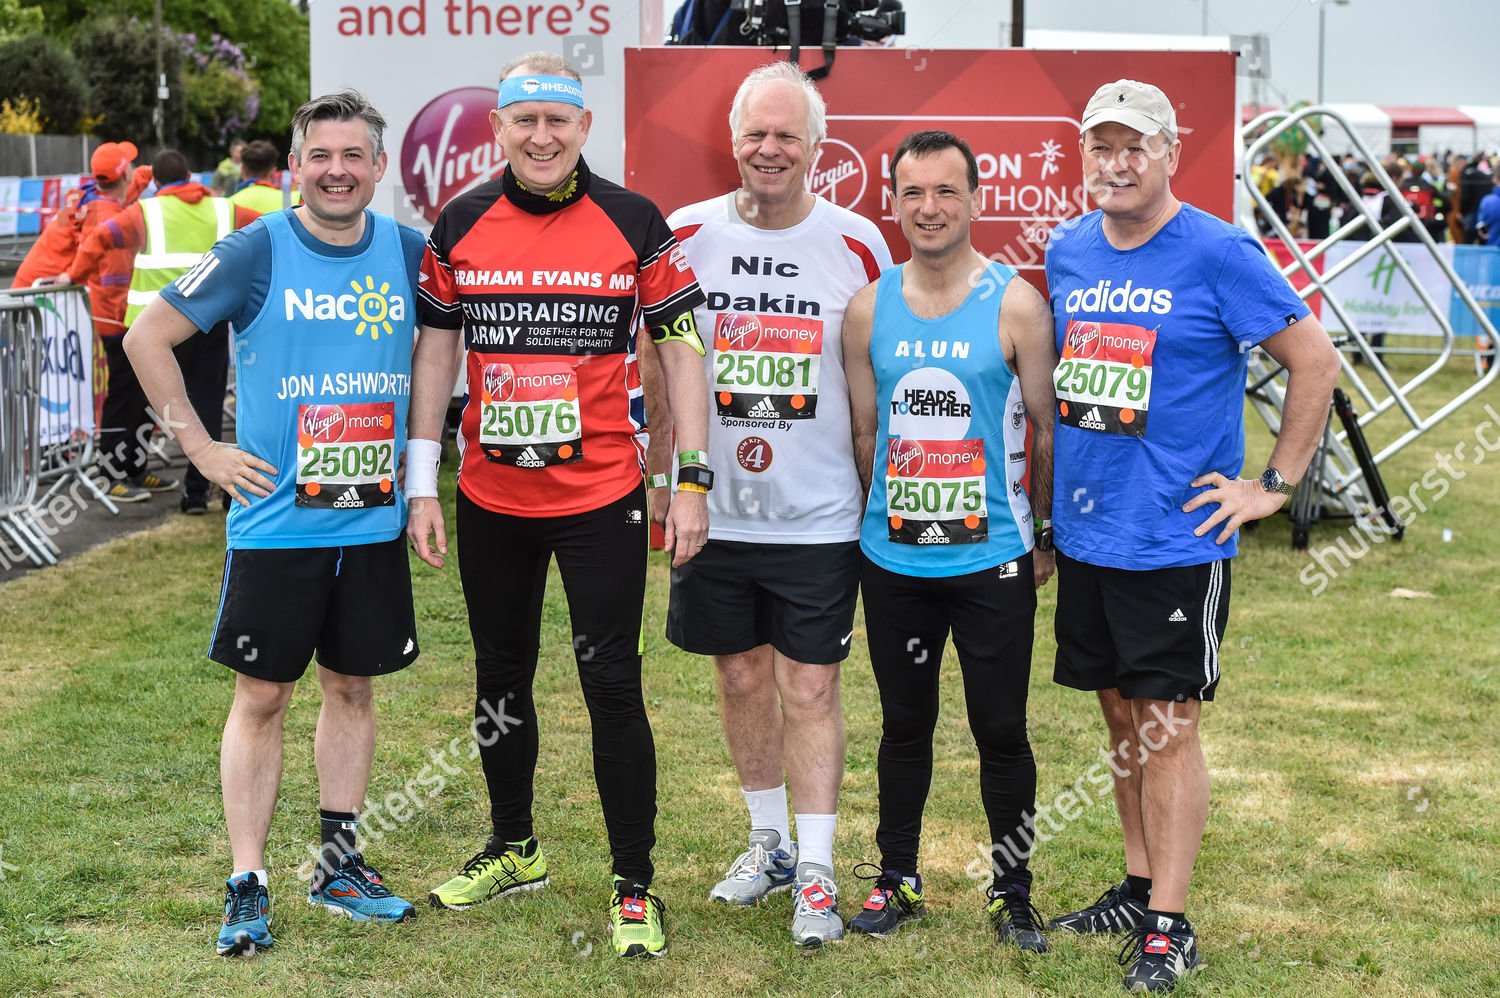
<point>1439,52</point>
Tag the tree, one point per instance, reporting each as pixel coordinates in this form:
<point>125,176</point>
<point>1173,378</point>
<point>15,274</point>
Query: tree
<point>17,21</point>
<point>42,68</point>
<point>118,56</point>
<point>272,33</point>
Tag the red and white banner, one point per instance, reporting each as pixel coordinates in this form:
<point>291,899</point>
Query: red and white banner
<point>1019,110</point>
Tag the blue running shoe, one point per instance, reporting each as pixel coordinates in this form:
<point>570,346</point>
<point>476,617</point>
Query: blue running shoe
<point>247,917</point>
<point>355,890</point>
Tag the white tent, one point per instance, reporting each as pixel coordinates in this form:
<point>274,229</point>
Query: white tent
<point>1486,127</point>
<point>1369,122</point>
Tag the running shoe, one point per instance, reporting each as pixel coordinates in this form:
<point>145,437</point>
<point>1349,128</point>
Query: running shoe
<point>1014,918</point>
<point>758,872</point>
<point>124,492</point>
<point>1159,952</point>
<point>356,892</point>
<point>247,917</point>
<point>1115,911</point>
<point>815,910</point>
<point>637,920</point>
<point>153,483</point>
<point>892,902</point>
<point>491,874</point>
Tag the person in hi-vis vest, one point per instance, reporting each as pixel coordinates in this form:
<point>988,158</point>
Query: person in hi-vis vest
<point>169,233</point>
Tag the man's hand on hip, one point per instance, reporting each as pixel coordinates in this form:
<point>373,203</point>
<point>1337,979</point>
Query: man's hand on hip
<point>1240,500</point>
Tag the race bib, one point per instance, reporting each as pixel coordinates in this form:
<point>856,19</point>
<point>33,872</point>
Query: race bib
<point>1103,380</point>
<point>346,455</point>
<point>935,492</point>
<point>529,415</point>
<point>766,366</point>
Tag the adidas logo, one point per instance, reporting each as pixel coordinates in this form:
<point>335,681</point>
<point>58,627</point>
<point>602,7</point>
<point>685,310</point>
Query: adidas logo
<point>933,535</point>
<point>1091,420</point>
<point>1178,617</point>
<point>349,500</point>
<point>528,459</point>
<point>764,409</point>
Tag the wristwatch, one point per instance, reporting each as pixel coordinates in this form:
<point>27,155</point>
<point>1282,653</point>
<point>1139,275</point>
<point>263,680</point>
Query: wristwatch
<point>1271,481</point>
<point>1043,535</point>
<point>692,474</point>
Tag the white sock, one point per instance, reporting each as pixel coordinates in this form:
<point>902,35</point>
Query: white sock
<point>815,838</point>
<point>768,810</point>
<point>260,875</point>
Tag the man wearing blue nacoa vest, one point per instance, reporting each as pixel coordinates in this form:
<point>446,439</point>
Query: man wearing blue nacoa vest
<point>322,299</point>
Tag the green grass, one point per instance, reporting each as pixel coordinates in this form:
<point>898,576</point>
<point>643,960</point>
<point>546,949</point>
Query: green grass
<point>1322,872</point>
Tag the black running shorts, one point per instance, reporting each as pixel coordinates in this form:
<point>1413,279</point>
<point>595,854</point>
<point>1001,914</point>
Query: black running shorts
<point>349,605</point>
<point>798,598</point>
<point>1152,634</point>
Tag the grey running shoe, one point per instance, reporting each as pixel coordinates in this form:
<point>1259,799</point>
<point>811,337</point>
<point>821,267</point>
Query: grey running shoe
<point>762,870</point>
<point>815,911</point>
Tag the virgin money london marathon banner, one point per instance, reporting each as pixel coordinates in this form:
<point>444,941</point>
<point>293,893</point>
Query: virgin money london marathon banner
<point>432,68</point>
<point>1018,109</point>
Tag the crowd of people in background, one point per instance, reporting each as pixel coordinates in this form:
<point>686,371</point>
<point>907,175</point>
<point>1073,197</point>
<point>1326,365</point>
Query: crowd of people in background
<point>1447,193</point>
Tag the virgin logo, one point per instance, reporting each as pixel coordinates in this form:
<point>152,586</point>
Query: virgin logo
<point>324,423</point>
<point>839,173</point>
<point>739,330</point>
<point>499,382</point>
<point>906,458</point>
<point>1084,338</point>
<point>448,148</point>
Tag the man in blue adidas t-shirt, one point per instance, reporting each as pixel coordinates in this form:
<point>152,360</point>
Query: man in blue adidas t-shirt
<point>322,299</point>
<point>1155,305</point>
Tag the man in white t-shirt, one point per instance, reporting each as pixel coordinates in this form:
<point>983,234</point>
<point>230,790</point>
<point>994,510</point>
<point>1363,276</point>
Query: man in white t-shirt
<point>771,596</point>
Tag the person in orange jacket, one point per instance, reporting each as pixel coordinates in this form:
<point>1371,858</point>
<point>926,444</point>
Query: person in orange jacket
<point>125,406</point>
<point>106,192</point>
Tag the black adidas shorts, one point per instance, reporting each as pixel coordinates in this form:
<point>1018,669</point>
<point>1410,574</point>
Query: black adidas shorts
<point>798,598</point>
<point>1153,634</point>
<point>350,605</point>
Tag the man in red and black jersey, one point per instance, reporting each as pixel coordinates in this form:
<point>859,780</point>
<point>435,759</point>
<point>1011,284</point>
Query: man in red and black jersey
<point>548,273</point>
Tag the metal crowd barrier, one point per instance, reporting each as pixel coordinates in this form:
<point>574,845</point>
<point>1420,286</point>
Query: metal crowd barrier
<point>67,431</point>
<point>1345,477</point>
<point>21,350</point>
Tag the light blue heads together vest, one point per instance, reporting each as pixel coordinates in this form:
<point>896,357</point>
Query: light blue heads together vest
<point>323,382</point>
<point>946,496</point>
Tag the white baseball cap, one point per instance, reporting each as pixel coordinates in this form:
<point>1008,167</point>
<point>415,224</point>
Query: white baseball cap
<point>1134,105</point>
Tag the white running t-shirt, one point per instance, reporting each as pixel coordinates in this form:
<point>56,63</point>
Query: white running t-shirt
<point>778,440</point>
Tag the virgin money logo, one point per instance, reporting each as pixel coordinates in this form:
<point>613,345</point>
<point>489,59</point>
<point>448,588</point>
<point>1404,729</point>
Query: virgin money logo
<point>499,382</point>
<point>324,424</point>
<point>449,147</point>
<point>839,174</point>
<point>1084,338</point>
<point>906,458</point>
<point>738,331</point>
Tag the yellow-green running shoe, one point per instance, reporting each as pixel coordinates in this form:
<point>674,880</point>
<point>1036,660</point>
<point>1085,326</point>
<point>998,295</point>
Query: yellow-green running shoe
<point>636,920</point>
<point>491,874</point>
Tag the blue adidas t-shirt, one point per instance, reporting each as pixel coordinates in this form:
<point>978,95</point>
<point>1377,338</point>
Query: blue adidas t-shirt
<point>323,340</point>
<point>1151,382</point>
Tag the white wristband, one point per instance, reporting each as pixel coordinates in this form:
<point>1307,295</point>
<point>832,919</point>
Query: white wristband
<point>422,458</point>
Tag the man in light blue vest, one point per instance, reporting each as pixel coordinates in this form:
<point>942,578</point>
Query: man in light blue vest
<point>947,356</point>
<point>321,298</point>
